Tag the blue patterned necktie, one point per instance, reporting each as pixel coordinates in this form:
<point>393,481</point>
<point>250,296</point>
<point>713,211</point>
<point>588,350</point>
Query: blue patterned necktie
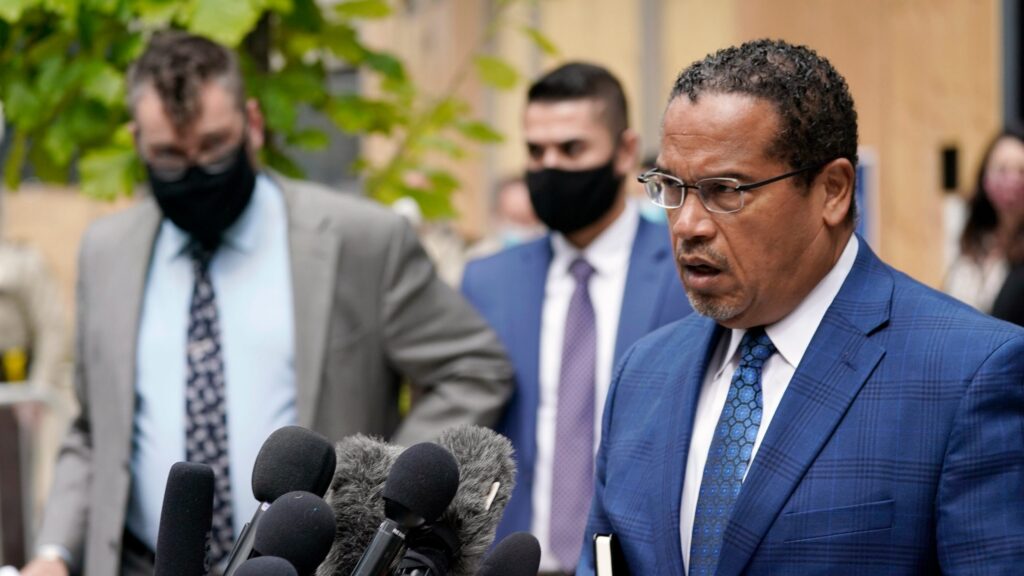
<point>206,434</point>
<point>573,465</point>
<point>729,454</point>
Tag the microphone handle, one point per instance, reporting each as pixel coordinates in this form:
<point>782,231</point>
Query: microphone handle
<point>242,549</point>
<point>387,544</point>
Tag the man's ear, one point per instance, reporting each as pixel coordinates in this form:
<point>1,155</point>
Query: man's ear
<point>626,158</point>
<point>837,178</point>
<point>254,124</point>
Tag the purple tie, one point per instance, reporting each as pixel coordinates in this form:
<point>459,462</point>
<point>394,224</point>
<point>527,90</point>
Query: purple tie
<point>573,467</point>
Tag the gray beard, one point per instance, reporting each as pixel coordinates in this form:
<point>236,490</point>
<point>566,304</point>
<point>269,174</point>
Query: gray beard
<point>708,307</point>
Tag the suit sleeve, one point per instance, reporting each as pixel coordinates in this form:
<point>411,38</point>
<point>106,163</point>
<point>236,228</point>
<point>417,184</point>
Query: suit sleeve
<point>980,500</point>
<point>67,509</point>
<point>457,367</point>
<point>597,522</point>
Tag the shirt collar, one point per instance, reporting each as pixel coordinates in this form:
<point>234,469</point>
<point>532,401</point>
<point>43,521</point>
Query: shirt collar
<point>792,335</point>
<point>243,235</point>
<point>608,252</point>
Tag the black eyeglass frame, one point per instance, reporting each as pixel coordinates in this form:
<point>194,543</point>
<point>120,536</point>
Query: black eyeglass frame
<point>741,188</point>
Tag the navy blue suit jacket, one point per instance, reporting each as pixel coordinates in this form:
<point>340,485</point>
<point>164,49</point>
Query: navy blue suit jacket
<point>898,447</point>
<point>508,290</point>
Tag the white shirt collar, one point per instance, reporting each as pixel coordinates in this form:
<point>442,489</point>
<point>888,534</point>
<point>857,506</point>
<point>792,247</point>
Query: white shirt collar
<point>607,252</point>
<point>792,335</point>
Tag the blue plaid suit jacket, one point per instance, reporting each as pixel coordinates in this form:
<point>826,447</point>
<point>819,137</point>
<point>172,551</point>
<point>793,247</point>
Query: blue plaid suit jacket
<point>898,447</point>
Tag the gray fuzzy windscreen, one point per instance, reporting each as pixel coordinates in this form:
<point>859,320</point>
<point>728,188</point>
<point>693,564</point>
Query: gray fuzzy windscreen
<point>484,457</point>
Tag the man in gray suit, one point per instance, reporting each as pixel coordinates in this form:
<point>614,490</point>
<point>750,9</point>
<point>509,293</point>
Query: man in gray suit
<point>232,303</point>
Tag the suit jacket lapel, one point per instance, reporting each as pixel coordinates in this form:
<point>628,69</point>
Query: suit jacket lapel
<point>526,326</point>
<point>124,277</point>
<point>675,441</point>
<point>643,281</point>
<point>313,251</point>
<point>838,361</point>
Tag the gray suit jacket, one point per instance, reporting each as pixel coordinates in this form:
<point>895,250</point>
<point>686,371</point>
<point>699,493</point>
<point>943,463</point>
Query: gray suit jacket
<point>368,311</point>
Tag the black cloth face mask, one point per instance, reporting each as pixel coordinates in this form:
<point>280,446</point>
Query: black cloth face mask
<point>204,202</point>
<point>567,201</point>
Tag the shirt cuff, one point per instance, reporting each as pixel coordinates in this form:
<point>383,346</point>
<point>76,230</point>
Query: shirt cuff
<point>54,552</point>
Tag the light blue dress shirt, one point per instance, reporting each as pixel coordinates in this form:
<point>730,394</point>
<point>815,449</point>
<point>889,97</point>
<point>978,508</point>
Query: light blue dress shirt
<point>252,281</point>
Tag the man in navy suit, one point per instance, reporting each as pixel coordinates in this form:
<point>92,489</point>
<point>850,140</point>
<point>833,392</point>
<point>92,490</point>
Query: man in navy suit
<point>568,305</point>
<point>823,413</point>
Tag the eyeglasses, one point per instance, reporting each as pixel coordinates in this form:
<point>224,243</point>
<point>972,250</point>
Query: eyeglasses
<point>172,166</point>
<point>720,195</point>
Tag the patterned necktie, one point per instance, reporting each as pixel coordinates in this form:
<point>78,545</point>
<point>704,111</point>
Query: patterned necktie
<point>730,452</point>
<point>206,434</point>
<point>573,469</point>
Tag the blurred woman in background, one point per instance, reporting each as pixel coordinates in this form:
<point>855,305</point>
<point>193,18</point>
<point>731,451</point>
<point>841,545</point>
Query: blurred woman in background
<point>992,243</point>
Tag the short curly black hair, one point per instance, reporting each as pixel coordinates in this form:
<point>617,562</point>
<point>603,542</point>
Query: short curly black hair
<point>816,111</point>
<point>177,64</point>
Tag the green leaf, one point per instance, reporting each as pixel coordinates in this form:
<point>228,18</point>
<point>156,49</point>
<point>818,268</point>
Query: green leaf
<point>11,10</point>
<point>108,172</point>
<point>45,166</point>
<point>496,73</point>
<point>24,108</point>
<point>279,6</point>
<point>481,132</point>
<point>540,40</point>
<point>355,114</point>
<point>66,9</point>
<point>363,9</point>
<point>386,64</point>
<point>104,83</point>
<point>101,6</point>
<point>278,107</point>
<point>89,121</point>
<point>343,41</point>
<point>158,13</point>
<point>223,21</point>
<point>58,142</point>
<point>311,139</point>
<point>305,15</point>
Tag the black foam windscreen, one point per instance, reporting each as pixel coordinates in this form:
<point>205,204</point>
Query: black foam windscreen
<point>266,566</point>
<point>292,458</point>
<point>299,527</point>
<point>518,554</point>
<point>486,479</point>
<point>423,480</point>
<point>185,520</point>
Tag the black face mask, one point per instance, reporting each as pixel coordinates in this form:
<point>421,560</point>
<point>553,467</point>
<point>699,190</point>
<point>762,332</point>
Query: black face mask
<point>567,201</point>
<point>203,204</point>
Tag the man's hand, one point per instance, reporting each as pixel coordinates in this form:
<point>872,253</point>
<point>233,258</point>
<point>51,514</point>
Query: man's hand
<point>45,567</point>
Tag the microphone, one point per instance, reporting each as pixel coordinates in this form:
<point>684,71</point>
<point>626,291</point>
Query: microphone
<point>487,473</point>
<point>298,527</point>
<point>185,521</point>
<point>266,566</point>
<point>422,482</point>
<point>518,554</point>
<point>291,458</point>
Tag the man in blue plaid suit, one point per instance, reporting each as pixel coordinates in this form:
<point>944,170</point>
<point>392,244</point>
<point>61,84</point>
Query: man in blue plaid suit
<point>824,413</point>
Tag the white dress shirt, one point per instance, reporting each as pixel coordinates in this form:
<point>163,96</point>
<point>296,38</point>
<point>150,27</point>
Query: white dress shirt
<point>251,277</point>
<point>791,336</point>
<point>609,256</point>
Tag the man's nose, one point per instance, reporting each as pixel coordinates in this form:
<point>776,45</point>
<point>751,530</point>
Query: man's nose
<point>692,219</point>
